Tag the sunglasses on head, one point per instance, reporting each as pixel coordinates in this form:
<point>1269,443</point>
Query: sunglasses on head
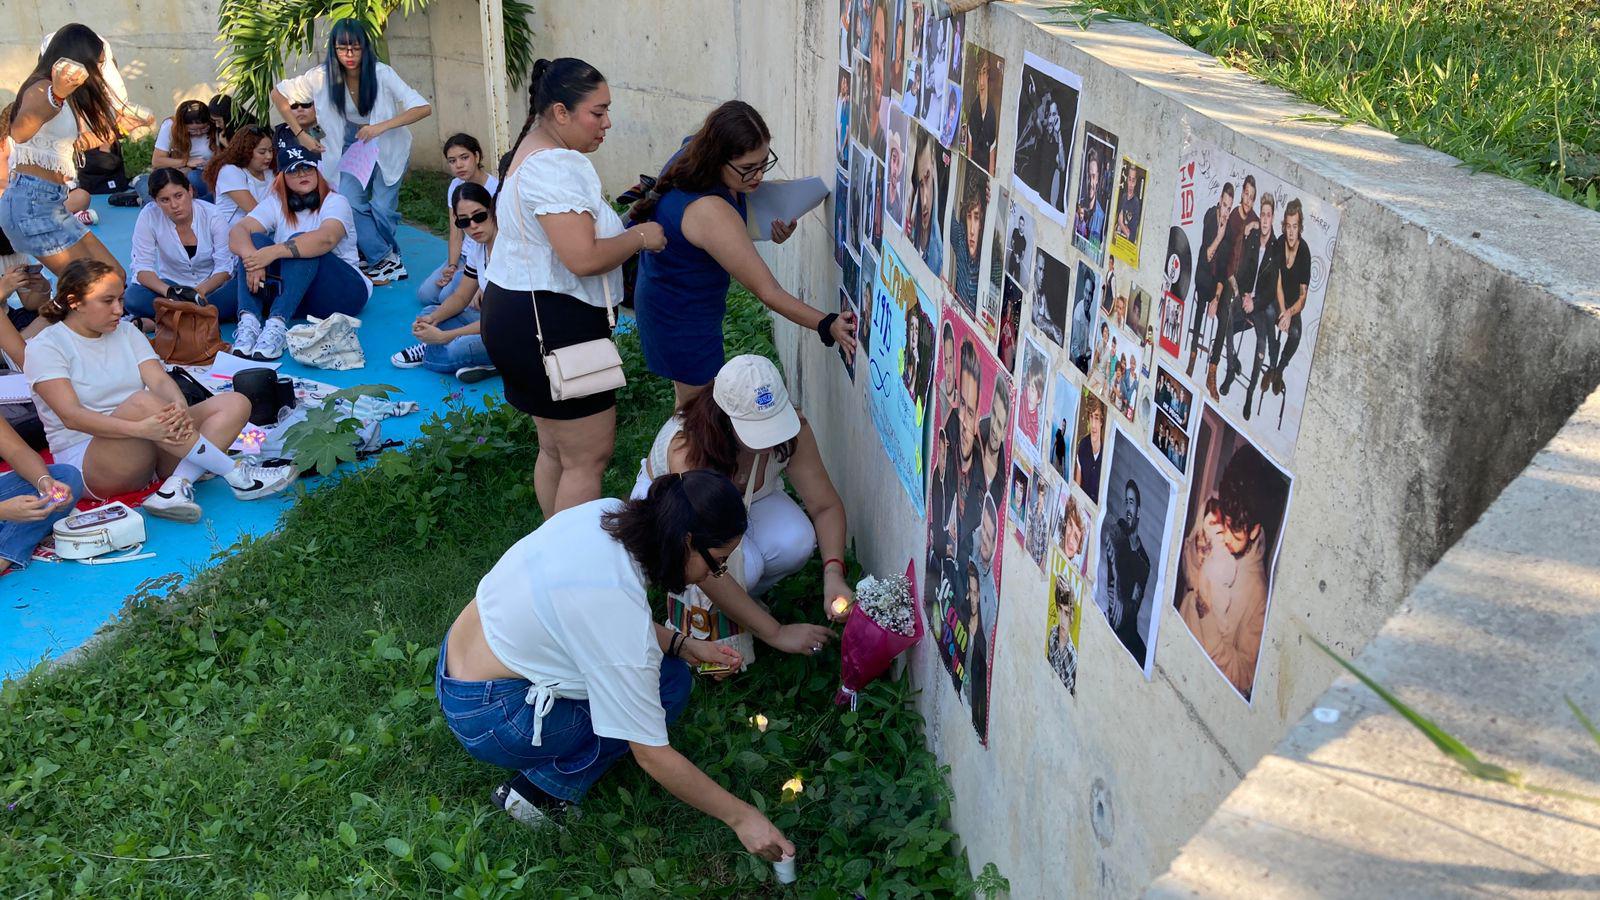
<point>718,569</point>
<point>298,104</point>
<point>476,218</point>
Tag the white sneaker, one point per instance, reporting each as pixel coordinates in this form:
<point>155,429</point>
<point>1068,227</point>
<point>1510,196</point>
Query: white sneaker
<point>396,267</point>
<point>245,336</point>
<point>177,504</point>
<point>475,374</point>
<point>253,480</point>
<point>274,338</point>
<point>409,358</point>
<point>519,808</point>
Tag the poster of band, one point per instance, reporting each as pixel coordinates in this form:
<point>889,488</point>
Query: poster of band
<point>1047,120</point>
<point>1248,258</point>
<point>969,471</point>
<point>1064,614</point>
<point>899,362</point>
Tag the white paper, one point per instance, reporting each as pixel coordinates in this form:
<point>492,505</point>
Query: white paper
<point>359,159</point>
<point>14,389</point>
<point>226,365</point>
<point>784,201</point>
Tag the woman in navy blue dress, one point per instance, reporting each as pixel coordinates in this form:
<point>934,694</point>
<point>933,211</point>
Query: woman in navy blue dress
<point>682,293</point>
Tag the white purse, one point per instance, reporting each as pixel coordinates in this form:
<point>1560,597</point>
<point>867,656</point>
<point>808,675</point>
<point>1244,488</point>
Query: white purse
<point>99,531</point>
<point>330,343</point>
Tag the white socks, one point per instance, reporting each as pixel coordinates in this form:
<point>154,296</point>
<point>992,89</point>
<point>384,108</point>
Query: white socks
<point>206,456</point>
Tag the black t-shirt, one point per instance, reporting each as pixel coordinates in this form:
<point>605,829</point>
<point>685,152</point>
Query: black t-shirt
<point>1089,465</point>
<point>1294,275</point>
<point>1133,569</point>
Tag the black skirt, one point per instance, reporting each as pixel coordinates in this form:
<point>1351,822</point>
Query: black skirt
<point>512,341</point>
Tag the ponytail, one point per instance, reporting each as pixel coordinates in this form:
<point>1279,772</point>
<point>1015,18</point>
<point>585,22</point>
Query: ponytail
<point>77,280</point>
<point>698,509</point>
<point>565,81</point>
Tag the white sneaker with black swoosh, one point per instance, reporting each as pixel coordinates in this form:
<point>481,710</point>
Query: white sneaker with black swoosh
<point>253,480</point>
<point>177,504</point>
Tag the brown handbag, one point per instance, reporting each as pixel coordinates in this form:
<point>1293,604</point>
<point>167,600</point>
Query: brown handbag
<point>187,334</point>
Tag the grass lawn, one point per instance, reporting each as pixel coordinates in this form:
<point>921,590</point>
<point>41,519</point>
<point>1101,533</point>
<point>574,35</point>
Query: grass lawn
<point>272,731</point>
<point>1508,86</point>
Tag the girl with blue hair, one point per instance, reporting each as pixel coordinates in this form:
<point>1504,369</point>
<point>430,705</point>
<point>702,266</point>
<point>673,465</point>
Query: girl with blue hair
<point>358,98</point>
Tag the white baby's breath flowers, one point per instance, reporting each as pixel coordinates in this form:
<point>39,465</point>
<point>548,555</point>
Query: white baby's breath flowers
<point>887,601</point>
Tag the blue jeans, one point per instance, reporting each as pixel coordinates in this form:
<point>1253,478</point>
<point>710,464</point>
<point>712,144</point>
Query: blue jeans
<point>33,214</point>
<point>141,301</point>
<point>17,539</point>
<point>429,293</point>
<point>494,723</point>
<point>461,352</point>
<point>376,207</point>
<point>314,286</point>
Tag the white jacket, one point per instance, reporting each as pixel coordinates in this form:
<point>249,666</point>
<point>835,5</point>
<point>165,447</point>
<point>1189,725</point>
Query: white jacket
<point>394,97</point>
<point>157,248</point>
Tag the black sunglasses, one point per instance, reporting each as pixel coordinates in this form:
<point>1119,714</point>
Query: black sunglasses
<point>474,219</point>
<point>718,569</point>
<point>747,172</point>
<point>298,105</point>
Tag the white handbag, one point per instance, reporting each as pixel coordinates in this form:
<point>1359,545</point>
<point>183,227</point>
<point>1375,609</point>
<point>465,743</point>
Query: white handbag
<point>329,343</point>
<point>99,531</point>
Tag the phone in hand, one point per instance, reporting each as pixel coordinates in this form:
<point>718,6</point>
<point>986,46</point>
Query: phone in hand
<point>33,269</point>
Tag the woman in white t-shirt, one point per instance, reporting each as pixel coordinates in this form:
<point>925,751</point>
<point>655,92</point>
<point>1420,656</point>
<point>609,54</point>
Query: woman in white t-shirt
<point>241,174</point>
<point>448,333</point>
<point>186,142</point>
<point>303,236</point>
<point>560,246</point>
<point>557,669</point>
<point>180,242</point>
<point>359,98</point>
<point>111,411</point>
<point>463,157</point>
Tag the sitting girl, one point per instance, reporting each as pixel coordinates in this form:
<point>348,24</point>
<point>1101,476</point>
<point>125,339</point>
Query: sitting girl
<point>241,174</point>
<point>463,155</point>
<point>301,239</point>
<point>449,331</point>
<point>180,242</point>
<point>32,497</point>
<point>745,428</point>
<point>112,412</point>
<point>186,142</point>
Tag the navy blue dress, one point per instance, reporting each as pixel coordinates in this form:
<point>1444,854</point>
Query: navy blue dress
<point>681,297</point>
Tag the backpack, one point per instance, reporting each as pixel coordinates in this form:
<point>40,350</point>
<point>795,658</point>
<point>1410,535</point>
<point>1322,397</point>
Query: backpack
<point>102,170</point>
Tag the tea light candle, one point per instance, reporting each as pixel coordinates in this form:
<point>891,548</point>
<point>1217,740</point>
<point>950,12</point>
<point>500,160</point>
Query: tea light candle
<point>253,438</point>
<point>759,722</point>
<point>58,493</point>
<point>784,870</point>
<point>793,788</point>
<point>841,605</point>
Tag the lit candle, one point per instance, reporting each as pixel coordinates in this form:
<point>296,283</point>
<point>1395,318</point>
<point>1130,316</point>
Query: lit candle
<point>759,722</point>
<point>793,788</point>
<point>252,438</point>
<point>841,605</point>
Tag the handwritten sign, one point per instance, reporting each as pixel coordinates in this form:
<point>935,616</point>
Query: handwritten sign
<point>360,159</point>
<point>900,369</point>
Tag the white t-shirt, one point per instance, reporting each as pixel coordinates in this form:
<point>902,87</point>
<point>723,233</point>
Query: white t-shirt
<point>334,206</point>
<point>104,371</point>
<point>567,605</point>
<point>237,178</point>
<point>467,242</point>
<point>546,183</point>
<point>198,146</point>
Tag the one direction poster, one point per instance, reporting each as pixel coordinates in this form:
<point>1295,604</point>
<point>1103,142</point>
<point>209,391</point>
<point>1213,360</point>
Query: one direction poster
<point>900,365</point>
<point>1245,238</point>
<point>1091,217</point>
<point>1068,591</point>
<point>1135,522</point>
<point>1238,502</point>
<point>1128,224</point>
<point>967,506</point>
<point>1047,119</point>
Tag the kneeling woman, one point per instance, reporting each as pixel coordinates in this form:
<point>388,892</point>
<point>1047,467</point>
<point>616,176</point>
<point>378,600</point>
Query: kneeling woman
<point>180,241</point>
<point>556,669</point>
<point>303,238</point>
<point>746,428</point>
<point>111,411</point>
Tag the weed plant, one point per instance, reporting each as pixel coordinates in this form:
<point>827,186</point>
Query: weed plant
<point>271,730</point>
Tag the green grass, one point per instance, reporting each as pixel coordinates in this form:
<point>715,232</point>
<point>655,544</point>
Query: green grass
<point>1508,86</point>
<point>272,731</point>
<point>422,200</point>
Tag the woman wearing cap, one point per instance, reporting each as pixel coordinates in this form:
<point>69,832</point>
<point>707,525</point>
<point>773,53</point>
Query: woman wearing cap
<point>682,293</point>
<point>361,99</point>
<point>304,236</point>
<point>557,670</point>
<point>746,428</point>
<point>555,274</point>
<point>186,142</point>
<point>180,242</point>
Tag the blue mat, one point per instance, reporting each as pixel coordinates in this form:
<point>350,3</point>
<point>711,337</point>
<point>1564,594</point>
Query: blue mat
<point>49,609</point>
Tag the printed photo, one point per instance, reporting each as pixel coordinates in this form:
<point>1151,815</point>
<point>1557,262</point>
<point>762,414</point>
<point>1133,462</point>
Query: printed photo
<point>930,174</point>
<point>1072,529</point>
<point>1031,383</point>
<point>1090,444</point>
<point>899,355</point>
<point>979,139</point>
<point>1176,276</point>
<point>873,235</point>
<point>1047,119</point>
<point>1170,441</point>
<point>863,300</point>
<point>1232,531</point>
<point>1173,399</point>
<point>1133,527</point>
<point>1041,509</point>
<point>1260,250</point>
<point>1139,313</point>
<point>1063,418</point>
<point>1130,213</point>
<point>841,108</point>
<point>861,33</point>
<point>971,200</point>
<point>896,71</point>
<point>1085,305</point>
<point>1010,324</point>
<point>1117,378</point>
<point>850,277</point>
<point>1021,483</point>
<point>897,168</point>
<point>877,97</point>
<point>1052,295</point>
<point>1068,591</point>
<point>841,216</point>
<point>949,120</point>
<point>1091,216</point>
<point>1020,247</point>
<point>847,12</point>
<point>967,505</point>
<point>989,296</point>
<point>859,88</point>
<point>861,188</point>
<point>847,305</point>
<point>916,69</point>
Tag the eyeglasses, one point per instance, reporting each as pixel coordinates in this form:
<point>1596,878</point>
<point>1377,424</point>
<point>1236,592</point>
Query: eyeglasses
<point>718,569</point>
<point>301,105</point>
<point>748,172</point>
<point>474,219</point>
<point>347,48</point>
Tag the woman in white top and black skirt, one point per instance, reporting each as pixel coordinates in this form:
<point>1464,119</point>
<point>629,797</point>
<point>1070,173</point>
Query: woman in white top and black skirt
<point>559,244</point>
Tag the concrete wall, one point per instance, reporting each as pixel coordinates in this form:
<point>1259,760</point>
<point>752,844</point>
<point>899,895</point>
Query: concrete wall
<point>167,52</point>
<point>1460,331</point>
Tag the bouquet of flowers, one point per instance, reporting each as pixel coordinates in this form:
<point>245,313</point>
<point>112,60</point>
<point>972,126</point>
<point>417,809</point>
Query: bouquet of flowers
<point>882,625</point>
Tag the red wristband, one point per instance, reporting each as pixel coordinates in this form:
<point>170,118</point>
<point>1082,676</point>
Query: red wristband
<point>830,561</point>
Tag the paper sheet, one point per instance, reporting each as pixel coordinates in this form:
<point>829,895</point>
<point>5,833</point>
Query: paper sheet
<point>14,389</point>
<point>226,365</point>
<point>785,201</point>
<point>360,159</point>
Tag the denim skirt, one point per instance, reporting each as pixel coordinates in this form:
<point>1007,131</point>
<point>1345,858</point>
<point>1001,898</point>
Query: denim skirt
<point>33,214</point>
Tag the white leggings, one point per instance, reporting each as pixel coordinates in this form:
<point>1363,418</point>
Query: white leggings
<point>777,544</point>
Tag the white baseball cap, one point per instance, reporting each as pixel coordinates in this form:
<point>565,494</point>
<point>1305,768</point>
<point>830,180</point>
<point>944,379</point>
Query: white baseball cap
<point>750,390</point>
